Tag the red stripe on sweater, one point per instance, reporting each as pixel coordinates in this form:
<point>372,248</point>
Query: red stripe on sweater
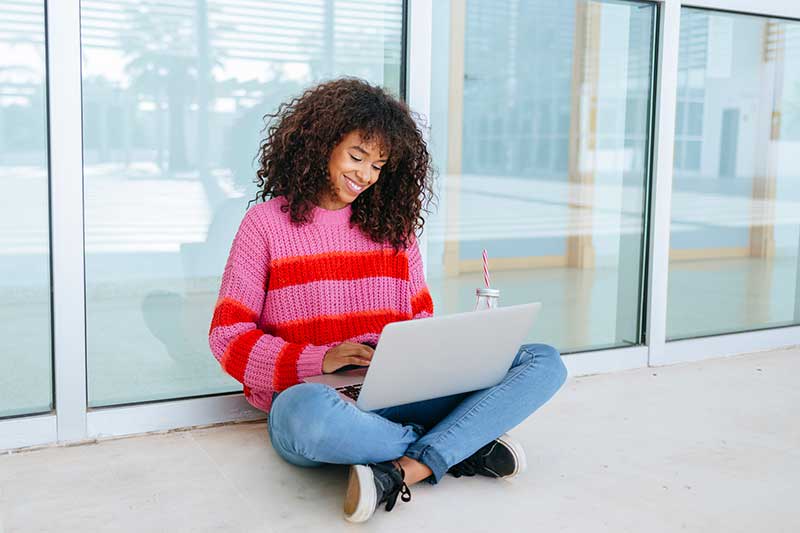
<point>229,311</point>
<point>337,265</point>
<point>234,360</point>
<point>333,328</point>
<point>286,366</point>
<point>421,302</point>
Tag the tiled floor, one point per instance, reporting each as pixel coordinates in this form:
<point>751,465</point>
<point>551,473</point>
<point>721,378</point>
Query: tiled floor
<point>710,446</point>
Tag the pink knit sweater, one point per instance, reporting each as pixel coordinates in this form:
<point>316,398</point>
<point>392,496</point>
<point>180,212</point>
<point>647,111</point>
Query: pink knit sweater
<point>290,292</point>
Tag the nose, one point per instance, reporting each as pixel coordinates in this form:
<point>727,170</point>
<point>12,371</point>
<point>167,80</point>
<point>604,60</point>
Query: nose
<point>362,172</point>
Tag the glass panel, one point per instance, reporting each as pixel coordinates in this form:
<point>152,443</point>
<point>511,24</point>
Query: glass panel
<point>679,155</point>
<point>26,376</point>
<point>679,119</point>
<point>173,99</point>
<point>692,155</point>
<point>695,118</point>
<point>736,217</point>
<point>559,208</point>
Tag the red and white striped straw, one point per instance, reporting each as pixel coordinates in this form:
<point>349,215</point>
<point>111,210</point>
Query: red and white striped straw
<point>486,278</point>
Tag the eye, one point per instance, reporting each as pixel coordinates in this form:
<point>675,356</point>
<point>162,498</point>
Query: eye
<point>354,157</point>
<point>377,168</point>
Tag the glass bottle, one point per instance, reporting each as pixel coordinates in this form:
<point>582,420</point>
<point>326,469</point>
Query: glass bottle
<point>486,299</point>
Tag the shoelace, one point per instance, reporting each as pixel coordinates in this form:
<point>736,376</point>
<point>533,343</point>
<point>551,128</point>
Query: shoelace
<point>467,467</point>
<point>399,486</point>
<point>472,464</point>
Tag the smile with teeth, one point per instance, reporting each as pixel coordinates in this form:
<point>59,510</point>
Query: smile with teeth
<point>353,186</point>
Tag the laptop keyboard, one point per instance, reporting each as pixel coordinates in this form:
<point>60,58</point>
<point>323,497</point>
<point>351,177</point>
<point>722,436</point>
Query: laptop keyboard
<point>351,391</point>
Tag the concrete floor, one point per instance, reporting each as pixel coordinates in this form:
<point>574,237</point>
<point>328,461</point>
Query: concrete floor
<point>709,446</point>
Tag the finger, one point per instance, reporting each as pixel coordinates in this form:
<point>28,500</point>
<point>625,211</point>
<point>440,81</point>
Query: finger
<point>358,361</point>
<point>360,352</point>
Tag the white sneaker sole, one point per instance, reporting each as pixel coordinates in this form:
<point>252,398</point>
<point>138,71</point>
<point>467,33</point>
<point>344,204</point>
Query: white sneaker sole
<point>360,498</point>
<point>518,452</point>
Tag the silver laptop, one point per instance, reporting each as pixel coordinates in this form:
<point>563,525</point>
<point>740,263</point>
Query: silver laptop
<point>428,358</point>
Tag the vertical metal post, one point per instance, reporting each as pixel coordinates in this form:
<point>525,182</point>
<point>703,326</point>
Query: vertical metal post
<point>66,203</point>
<point>418,91</point>
<point>666,96</point>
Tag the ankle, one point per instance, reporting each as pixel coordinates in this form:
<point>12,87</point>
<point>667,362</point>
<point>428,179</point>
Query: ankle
<point>412,470</point>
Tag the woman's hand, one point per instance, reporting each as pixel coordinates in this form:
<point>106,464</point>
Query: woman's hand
<point>346,353</point>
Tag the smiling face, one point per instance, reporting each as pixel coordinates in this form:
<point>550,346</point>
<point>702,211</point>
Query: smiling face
<point>354,166</point>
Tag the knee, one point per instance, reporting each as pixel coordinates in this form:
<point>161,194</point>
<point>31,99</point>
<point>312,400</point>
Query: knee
<point>548,359</point>
<point>297,413</point>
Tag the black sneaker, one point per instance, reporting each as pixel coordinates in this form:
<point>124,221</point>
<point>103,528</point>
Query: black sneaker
<point>370,485</point>
<point>503,458</point>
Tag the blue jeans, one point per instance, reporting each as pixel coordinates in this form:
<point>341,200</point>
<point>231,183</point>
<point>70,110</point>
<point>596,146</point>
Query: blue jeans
<point>311,425</point>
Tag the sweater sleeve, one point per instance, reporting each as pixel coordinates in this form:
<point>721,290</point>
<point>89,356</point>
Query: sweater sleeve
<point>254,358</point>
<point>421,302</point>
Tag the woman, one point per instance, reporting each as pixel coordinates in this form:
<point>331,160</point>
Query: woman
<point>314,274</point>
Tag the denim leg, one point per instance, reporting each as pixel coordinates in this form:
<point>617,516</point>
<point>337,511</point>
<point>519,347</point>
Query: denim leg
<point>534,377</point>
<point>310,424</point>
<point>425,413</point>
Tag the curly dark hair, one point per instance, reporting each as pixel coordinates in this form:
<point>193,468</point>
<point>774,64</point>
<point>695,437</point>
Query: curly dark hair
<point>302,134</point>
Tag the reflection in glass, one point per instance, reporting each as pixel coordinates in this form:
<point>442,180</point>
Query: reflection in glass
<point>173,98</point>
<point>25,329</point>
<point>540,114</point>
<point>736,187</point>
